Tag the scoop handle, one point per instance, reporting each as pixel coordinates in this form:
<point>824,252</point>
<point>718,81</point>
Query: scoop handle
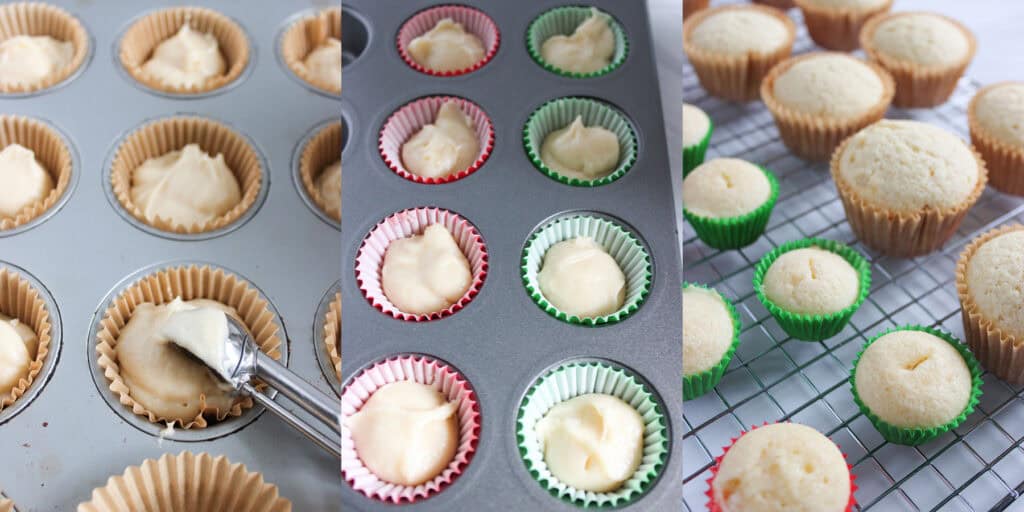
<point>311,399</point>
<point>333,446</point>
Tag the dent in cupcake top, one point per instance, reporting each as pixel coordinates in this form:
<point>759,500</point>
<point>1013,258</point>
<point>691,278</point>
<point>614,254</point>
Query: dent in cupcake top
<point>811,281</point>
<point>23,181</point>
<point>1000,111</point>
<point>994,276</point>
<point>832,85</point>
<point>854,5</point>
<point>27,60</point>
<point>708,329</point>
<point>446,47</point>
<point>187,59</point>
<point>588,49</point>
<point>725,187</point>
<point>740,31</point>
<point>921,38</point>
<point>695,125</point>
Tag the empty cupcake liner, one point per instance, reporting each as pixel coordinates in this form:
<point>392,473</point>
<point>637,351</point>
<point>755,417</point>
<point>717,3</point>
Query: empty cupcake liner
<point>424,370</point>
<point>920,435</point>
<point>736,232</point>
<point>404,224</point>
<point>574,379</point>
<point>304,36</point>
<point>621,244</point>
<point>835,28</point>
<point>560,113</point>
<point>187,481</point>
<point>813,327</point>
<point>188,282</point>
<point>332,333</point>
<point>323,150</point>
<point>40,19</point>
<point>563,21</point>
<point>694,155</point>
<point>474,21</point>
<point>52,152</point>
<point>1005,162</point>
<point>700,383</point>
<point>412,117</point>
<point>19,300</point>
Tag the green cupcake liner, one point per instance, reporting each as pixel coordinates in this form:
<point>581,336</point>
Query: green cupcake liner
<point>694,155</point>
<point>701,382</point>
<point>563,21</point>
<point>736,232</point>
<point>559,113</point>
<point>918,435</point>
<point>813,327</point>
<point>621,245</point>
<point>575,379</point>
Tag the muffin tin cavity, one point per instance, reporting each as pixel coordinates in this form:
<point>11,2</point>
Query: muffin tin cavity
<point>473,21</point>
<point>355,36</point>
<point>54,151</point>
<point>564,21</point>
<point>317,150</point>
<point>302,33</point>
<point>41,19</point>
<point>327,336</point>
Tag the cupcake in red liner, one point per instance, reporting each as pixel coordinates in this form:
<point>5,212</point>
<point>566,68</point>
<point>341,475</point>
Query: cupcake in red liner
<point>423,370</point>
<point>473,21</point>
<point>405,224</point>
<point>413,116</point>
<point>807,486</point>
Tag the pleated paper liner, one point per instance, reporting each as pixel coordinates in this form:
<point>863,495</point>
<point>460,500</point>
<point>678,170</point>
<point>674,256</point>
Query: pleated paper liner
<point>1000,352</point>
<point>40,19</point>
<point>424,370</point>
<point>404,224</point>
<point>815,137</point>
<point>699,383</point>
<point>146,33</point>
<point>1005,162</point>
<point>736,232</point>
<point>807,327</point>
<point>694,155</point>
<point>574,379</point>
<point>902,234</point>
<point>188,281</point>
<point>621,244</point>
<point>21,301</point>
<point>52,153</point>
<point>318,154</point>
<point>564,21</point>
<point>159,137</point>
<point>778,4</point>
<point>474,21</point>
<point>734,77</point>
<point>691,7</point>
<point>560,113</point>
<point>834,28</point>
<point>304,36</point>
<point>913,436</point>
<point>187,481</point>
<point>332,333</point>
<point>413,116</point>
<point>6,505</point>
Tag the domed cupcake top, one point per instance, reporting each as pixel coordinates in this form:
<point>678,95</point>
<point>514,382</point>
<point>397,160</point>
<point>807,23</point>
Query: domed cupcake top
<point>708,329</point>
<point>739,31</point>
<point>725,187</point>
<point>1000,112</point>
<point>921,38</point>
<point>994,276</point>
<point>832,85</point>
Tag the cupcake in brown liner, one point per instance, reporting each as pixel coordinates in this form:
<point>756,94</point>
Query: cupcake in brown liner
<point>332,333</point>
<point>836,24</point>
<point>906,185</point>
<point>51,153</point>
<point>996,119</point>
<point>23,306</point>
<point>148,32</point>
<point>70,42</point>
<point>187,282</point>
<point>187,481</point>
<point>691,7</point>
<point>160,137</point>
<point>778,4</point>
<point>925,53</point>
<point>308,35</point>
<point>320,170</point>
<point>818,99</point>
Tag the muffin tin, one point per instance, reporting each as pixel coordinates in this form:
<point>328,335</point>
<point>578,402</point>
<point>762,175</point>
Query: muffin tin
<point>69,433</point>
<point>501,341</point>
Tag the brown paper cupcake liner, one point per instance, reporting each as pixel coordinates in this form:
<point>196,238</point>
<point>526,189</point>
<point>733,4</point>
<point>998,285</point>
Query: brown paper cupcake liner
<point>320,152</point>
<point>778,4</point>
<point>188,282</point>
<point>187,481</point>
<point>52,152</point>
<point>146,33</point>
<point>162,136</point>
<point>837,29</point>
<point>19,300</point>
<point>903,234</point>
<point>732,77</point>
<point>691,7</point>
<point>6,505</point>
<point>39,19</point>
<point>1005,162</point>
<point>814,137</point>
<point>304,36</point>
<point>332,333</point>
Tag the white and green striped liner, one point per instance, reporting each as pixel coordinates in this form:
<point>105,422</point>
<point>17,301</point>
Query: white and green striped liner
<point>564,21</point>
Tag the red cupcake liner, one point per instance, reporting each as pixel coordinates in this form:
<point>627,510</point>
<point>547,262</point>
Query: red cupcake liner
<point>473,20</point>
<point>424,370</point>
<point>715,507</point>
<point>406,223</point>
<point>413,116</point>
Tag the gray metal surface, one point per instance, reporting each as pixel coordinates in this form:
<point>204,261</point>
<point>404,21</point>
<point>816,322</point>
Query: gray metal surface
<point>67,440</point>
<point>502,340</point>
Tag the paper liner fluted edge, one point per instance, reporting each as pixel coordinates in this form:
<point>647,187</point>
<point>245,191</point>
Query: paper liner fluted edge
<point>21,301</point>
<point>304,36</point>
<point>740,231</point>
<point>323,150</point>
<point>51,151</point>
<point>699,383</point>
<point>473,20</point>
<point>332,334</point>
<point>1005,162</point>
<point>837,29</point>
<point>558,21</point>
<point>38,18</point>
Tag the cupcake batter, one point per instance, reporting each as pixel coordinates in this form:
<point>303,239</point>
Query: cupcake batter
<point>426,273</point>
<point>324,63</point>
<point>26,60</point>
<point>201,331</point>
<point>447,146</point>
<point>582,152</point>
<point>18,346</point>
<point>446,47</point>
<point>580,278</point>
<point>187,59</point>
<point>22,180</point>
<point>328,184</point>
<point>587,50</point>
<point>186,187</point>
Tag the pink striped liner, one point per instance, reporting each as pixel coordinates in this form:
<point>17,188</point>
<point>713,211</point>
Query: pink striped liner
<point>473,20</point>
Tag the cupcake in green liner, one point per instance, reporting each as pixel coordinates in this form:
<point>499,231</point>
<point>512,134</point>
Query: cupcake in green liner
<point>697,128</point>
<point>577,42</point>
<point>728,202</point>
<point>586,270</point>
<point>812,286</point>
<point>915,383</point>
<point>566,413</point>
<point>711,334</point>
<point>580,141</point>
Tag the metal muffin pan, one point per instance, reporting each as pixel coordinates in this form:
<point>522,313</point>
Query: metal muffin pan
<point>502,341</point>
<point>66,440</point>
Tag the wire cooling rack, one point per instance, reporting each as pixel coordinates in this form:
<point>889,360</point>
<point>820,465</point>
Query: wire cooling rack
<point>978,466</point>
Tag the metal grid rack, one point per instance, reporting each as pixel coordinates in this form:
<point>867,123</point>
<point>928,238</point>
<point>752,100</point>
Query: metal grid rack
<point>979,466</point>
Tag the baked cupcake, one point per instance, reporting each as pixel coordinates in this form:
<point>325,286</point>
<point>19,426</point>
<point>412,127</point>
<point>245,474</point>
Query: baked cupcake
<point>728,201</point>
<point>836,24</point>
<point>711,333</point>
<point>818,99</point>
<point>915,383</point>
<point>778,4</point>
<point>926,54</point>
<point>697,128</point>
<point>996,119</point>
<point>906,185</point>
<point>41,45</point>
<point>733,47</point>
